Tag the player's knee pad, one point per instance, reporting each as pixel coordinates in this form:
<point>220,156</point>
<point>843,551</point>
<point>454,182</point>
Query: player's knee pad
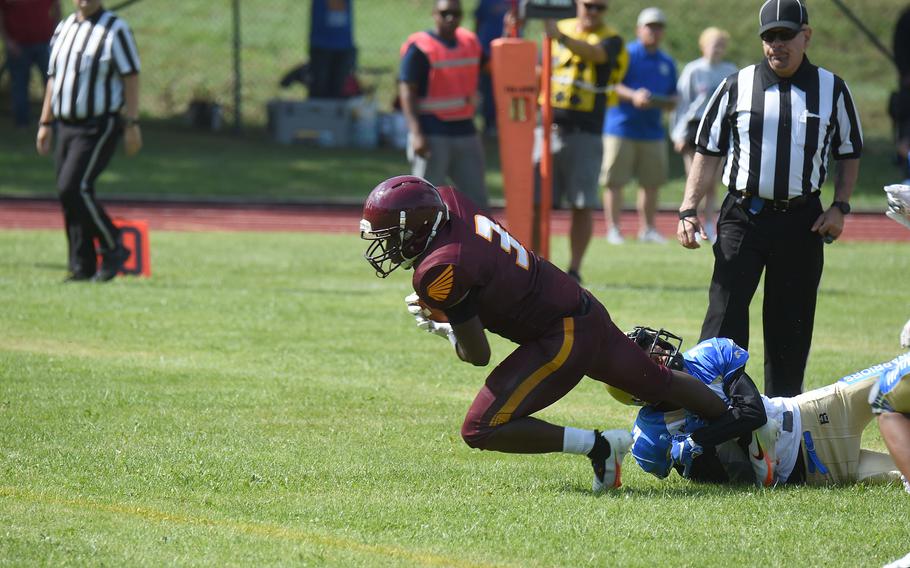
<point>475,435</point>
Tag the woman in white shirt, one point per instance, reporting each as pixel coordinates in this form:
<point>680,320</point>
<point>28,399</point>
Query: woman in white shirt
<point>695,86</point>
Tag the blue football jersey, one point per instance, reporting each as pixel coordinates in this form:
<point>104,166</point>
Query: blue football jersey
<point>713,361</point>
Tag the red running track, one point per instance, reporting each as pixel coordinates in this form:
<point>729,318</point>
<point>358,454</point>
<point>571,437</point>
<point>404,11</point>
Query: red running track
<point>45,214</point>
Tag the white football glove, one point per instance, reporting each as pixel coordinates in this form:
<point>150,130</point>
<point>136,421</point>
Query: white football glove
<point>428,325</point>
<point>899,203</point>
<point>411,300</point>
<point>905,335</point>
<point>437,328</point>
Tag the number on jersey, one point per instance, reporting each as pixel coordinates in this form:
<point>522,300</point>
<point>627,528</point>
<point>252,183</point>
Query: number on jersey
<point>485,227</point>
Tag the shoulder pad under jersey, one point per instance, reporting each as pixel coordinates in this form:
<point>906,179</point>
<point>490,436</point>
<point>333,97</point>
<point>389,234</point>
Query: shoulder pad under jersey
<point>715,360</point>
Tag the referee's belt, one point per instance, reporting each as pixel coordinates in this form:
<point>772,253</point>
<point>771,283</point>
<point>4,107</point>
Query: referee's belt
<point>755,204</point>
<point>92,121</point>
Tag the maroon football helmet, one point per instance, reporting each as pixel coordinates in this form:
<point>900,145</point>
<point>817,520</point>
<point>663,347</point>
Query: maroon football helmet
<point>401,216</point>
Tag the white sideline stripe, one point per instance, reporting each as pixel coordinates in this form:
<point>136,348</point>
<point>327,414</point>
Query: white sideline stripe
<point>248,528</point>
<point>83,186</point>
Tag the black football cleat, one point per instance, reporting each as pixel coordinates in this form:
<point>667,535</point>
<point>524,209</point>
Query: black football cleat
<point>77,277</point>
<point>111,263</point>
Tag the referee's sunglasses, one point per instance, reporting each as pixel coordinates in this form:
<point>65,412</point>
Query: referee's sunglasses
<point>771,36</point>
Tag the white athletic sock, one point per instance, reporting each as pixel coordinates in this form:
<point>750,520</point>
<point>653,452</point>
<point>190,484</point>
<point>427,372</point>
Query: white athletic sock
<point>575,441</point>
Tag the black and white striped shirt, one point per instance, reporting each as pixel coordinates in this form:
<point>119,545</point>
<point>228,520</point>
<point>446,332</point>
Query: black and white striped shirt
<point>87,63</point>
<point>777,133</point>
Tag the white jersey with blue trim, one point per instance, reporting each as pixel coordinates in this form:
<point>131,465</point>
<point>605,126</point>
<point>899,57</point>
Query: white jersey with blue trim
<point>892,390</point>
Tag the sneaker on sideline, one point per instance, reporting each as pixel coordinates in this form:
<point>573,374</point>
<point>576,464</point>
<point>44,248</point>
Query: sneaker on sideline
<point>650,235</point>
<point>614,237</point>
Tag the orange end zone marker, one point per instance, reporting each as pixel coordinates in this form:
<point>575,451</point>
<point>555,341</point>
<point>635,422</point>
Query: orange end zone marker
<point>512,66</point>
<point>135,235</point>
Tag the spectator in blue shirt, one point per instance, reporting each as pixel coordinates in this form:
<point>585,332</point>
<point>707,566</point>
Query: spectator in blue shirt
<point>332,53</point>
<point>634,135</point>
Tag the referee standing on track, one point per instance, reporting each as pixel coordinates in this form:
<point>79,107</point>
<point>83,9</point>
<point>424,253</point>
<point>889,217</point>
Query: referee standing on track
<point>92,98</point>
<point>775,122</point>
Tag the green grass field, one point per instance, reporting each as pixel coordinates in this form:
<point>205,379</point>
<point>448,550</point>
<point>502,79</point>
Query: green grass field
<point>263,399</point>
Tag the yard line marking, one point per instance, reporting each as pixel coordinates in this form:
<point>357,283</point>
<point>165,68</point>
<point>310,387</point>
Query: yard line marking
<point>254,529</point>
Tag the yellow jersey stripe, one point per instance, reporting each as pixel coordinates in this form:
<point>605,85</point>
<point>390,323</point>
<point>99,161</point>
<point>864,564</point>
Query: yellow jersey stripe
<point>505,413</point>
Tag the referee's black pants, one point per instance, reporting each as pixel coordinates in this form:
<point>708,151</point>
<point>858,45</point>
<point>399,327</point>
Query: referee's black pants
<point>83,151</point>
<point>781,244</point>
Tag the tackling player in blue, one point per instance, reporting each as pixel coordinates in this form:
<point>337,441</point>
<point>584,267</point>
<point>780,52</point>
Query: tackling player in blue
<point>812,438</point>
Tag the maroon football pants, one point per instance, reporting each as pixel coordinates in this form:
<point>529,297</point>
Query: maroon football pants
<point>540,372</point>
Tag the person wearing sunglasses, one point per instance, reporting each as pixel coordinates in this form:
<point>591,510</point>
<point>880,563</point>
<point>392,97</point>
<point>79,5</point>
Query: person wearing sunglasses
<point>437,87</point>
<point>588,59</point>
<point>775,123</point>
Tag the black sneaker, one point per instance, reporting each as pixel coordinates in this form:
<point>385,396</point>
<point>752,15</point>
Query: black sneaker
<point>575,275</point>
<point>111,263</point>
<point>76,277</point>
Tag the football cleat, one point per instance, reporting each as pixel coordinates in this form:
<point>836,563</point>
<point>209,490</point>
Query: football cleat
<point>608,470</point>
<point>111,263</point>
<point>762,453</point>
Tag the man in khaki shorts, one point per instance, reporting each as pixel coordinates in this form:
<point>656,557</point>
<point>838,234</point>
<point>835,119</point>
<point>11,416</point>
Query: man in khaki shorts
<point>634,136</point>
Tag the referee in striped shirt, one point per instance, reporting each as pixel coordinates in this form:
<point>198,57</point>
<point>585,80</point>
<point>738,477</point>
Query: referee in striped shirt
<point>775,122</point>
<point>92,98</point>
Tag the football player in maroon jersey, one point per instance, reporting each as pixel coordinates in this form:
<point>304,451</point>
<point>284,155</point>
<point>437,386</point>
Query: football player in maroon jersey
<point>469,268</point>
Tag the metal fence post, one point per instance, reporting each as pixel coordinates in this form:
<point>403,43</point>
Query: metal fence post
<point>238,115</point>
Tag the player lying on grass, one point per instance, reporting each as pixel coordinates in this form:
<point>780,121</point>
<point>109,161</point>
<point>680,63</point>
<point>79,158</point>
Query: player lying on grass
<point>812,438</point>
<point>470,275</point>
<point>899,210</point>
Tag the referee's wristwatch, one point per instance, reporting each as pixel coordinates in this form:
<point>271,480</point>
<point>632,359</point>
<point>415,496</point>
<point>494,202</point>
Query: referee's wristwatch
<point>843,206</point>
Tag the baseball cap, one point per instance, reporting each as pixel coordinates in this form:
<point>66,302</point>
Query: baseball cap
<point>789,14</point>
<point>652,16</point>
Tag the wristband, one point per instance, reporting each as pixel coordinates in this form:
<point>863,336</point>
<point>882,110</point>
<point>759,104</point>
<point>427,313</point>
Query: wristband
<point>46,123</point>
<point>131,121</point>
<point>686,213</point>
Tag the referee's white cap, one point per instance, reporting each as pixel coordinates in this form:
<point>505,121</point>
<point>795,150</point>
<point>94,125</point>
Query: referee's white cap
<point>790,14</point>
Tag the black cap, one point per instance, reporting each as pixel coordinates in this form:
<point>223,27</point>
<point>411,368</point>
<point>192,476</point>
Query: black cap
<point>790,14</point>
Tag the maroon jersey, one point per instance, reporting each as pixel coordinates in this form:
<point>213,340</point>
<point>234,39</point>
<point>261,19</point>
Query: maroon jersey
<point>516,294</point>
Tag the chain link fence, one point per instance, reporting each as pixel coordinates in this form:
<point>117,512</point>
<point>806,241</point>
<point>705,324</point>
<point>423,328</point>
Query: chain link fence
<point>225,52</point>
